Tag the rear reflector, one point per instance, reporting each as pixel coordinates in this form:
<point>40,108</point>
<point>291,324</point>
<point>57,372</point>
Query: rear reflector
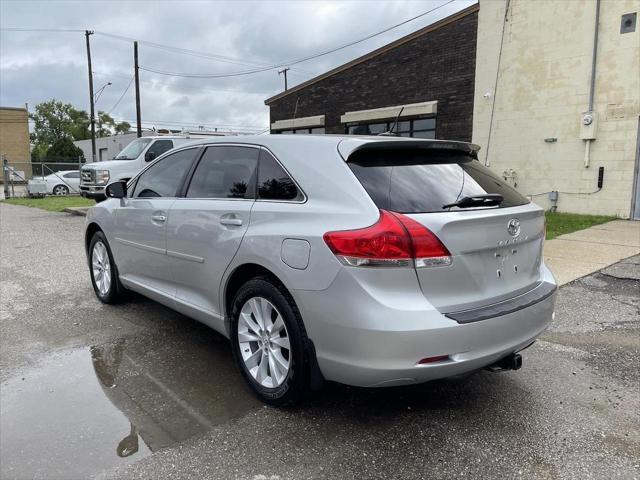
<point>395,240</point>
<point>433,359</point>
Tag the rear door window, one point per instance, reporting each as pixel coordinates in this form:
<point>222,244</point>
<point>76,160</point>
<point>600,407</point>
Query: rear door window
<point>424,180</point>
<point>225,172</point>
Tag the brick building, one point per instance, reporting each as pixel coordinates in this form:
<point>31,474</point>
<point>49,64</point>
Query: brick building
<point>14,138</point>
<point>429,72</point>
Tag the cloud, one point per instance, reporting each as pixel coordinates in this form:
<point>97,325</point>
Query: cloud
<point>35,67</point>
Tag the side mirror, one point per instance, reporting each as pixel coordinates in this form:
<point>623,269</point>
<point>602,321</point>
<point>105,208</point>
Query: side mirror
<point>149,156</point>
<point>116,190</point>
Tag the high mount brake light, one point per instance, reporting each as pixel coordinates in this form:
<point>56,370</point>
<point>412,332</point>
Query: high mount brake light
<point>395,240</point>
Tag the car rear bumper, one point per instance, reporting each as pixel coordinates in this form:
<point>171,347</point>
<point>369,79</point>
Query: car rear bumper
<point>372,338</point>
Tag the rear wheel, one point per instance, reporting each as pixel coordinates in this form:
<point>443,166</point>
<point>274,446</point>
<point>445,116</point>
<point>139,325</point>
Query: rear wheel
<point>269,342</point>
<point>60,190</point>
<point>104,274</point>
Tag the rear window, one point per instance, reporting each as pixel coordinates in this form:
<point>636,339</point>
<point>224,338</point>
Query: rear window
<point>424,181</point>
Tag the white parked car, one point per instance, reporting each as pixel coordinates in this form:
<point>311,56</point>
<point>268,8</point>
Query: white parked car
<point>63,182</point>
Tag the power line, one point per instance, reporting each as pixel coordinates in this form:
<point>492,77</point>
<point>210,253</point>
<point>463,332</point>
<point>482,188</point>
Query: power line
<point>121,96</point>
<point>206,75</point>
<point>295,61</point>
<point>368,37</point>
<point>48,30</point>
<point>168,83</point>
<point>193,53</point>
<point>263,67</point>
<point>169,48</point>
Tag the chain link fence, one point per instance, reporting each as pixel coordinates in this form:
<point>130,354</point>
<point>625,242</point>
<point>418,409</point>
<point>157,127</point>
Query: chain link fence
<point>37,179</point>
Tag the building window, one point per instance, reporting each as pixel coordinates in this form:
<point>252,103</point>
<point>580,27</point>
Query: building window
<point>417,128</point>
<point>302,131</point>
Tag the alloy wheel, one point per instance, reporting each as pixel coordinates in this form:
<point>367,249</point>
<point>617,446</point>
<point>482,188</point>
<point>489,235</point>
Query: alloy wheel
<point>60,190</point>
<point>264,342</point>
<point>101,268</point>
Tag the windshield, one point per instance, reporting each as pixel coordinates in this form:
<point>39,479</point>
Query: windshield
<point>133,150</point>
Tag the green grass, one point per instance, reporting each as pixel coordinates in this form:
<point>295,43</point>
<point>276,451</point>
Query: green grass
<point>561,223</point>
<point>52,204</point>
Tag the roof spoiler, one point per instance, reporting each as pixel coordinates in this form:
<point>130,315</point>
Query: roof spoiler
<point>348,147</point>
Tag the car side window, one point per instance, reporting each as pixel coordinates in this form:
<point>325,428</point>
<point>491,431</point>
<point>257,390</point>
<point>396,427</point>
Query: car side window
<point>163,178</point>
<point>159,147</point>
<point>273,182</point>
<point>72,175</point>
<point>225,172</point>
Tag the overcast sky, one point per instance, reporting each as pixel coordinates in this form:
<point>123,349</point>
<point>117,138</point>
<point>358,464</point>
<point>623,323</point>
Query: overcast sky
<point>37,66</point>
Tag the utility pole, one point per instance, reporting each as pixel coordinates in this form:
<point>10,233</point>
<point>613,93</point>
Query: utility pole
<point>137,82</point>
<point>284,71</point>
<point>87,33</point>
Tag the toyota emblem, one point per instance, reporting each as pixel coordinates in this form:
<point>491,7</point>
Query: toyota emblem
<point>513,227</point>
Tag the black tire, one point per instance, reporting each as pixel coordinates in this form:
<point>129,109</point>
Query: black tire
<point>115,292</point>
<point>296,385</point>
<point>60,190</point>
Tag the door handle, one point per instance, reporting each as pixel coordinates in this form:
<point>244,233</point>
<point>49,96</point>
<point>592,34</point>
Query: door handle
<point>231,221</point>
<point>159,218</point>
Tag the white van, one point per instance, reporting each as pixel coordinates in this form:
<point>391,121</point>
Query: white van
<point>95,176</point>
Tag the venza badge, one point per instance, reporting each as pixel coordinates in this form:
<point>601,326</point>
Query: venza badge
<point>513,227</point>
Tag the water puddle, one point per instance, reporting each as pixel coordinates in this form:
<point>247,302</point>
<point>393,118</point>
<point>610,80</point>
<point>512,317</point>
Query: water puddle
<point>88,410</point>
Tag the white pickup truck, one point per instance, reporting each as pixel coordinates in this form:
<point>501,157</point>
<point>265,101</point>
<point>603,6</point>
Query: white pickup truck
<point>95,176</point>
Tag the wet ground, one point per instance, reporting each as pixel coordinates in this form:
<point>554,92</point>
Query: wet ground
<point>139,391</point>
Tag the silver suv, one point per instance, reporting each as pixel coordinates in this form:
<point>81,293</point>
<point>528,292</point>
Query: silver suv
<point>370,261</point>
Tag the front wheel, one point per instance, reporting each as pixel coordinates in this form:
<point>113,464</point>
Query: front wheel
<point>104,274</point>
<point>269,342</point>
<point>60,190</point>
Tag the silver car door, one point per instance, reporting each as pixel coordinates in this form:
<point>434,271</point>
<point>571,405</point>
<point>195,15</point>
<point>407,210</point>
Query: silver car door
<point>206,226</point>
<point>141,220</point>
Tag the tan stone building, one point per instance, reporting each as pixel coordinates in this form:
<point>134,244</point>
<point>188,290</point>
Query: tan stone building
<point>541,121</point>
<point>14,138</point>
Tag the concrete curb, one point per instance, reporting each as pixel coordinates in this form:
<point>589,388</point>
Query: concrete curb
<point>80,211</point>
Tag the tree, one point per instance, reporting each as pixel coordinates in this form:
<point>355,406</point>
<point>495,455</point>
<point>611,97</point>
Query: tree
<point>63,150</point>
<point>106,126</point>
<point>122,127</point>
<point>54,120</point>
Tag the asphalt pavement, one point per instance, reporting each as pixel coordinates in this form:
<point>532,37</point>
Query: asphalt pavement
<point>139,391</point>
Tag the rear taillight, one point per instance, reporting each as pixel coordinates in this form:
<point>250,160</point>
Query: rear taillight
<point>428,250</point>
<point>395,240</point>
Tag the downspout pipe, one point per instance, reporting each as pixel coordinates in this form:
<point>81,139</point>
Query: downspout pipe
<point>592,85</point>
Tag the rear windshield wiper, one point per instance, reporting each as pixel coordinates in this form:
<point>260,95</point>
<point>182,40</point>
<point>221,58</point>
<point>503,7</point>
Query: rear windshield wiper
<point>488,200</point>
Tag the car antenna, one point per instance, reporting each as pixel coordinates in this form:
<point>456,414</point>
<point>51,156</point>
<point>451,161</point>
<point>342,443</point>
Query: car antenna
<point>390,132</point>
